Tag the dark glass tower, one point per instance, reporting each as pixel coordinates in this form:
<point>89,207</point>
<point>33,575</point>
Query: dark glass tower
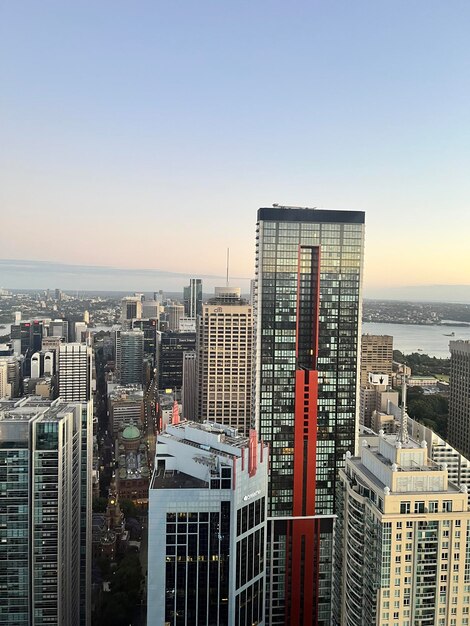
<point>308,306</point>
<point>192,295</point>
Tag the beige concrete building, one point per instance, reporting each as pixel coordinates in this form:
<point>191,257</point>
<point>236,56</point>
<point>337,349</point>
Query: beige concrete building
<point>224,360</point>
<point>5,387</point>
<point>402,554</point>
<point>125,405</point>
<point>385,421</point>
<point>375,396</point>
<point>376,355</point>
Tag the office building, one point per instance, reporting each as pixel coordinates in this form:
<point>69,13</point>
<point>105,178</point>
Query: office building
<point>441,452</point>
<point>150,309</point>
<point>188,325</point>
<point>189,389</point>
<point>52,344</point>
<point>130,357</point>
<point>45,541</point>
<point>125,405</point>
<point>459,396</point>
<point>131,308</point>
<point>36,366</point>
<point>402,539</point>
<point>75,372</point>
<point>150,329</point>
<point>375,396</point>
<point>307,326</point>
<point>42,364</point>
<point>192,296</point>
<point>170,358</point>
<point>5,387</point>
<point>81,330</point>
<point>207,527</point>
<point>376,356</point>
<point>158,296</point>
<point>224,360</point>
<point>26,337</point>
<point>6,350</point>
<point>59,328</point>
<point>175,313</point>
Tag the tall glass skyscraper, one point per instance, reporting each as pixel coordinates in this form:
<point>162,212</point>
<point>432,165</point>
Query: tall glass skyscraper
<point>307,312</point>
<point>45,532</point>
<point>192,295</point>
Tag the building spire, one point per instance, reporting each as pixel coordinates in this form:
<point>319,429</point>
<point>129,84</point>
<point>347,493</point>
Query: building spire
<point>403,433</point>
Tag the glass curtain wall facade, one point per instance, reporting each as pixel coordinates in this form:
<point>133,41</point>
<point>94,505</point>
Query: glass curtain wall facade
<point>192,296</point>
<point>41,581</point>
<point>308,311</point>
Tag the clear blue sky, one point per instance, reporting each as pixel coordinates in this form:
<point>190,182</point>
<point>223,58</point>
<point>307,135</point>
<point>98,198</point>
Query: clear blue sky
<point>148,133</point>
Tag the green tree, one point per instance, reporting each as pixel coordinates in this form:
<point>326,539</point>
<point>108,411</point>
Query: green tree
<point>128,508</point>
<point>99,505</point>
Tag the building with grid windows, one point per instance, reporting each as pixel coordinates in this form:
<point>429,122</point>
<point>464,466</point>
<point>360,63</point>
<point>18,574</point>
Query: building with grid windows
<point>171,348</point>
<point>402,548</point>
<point>75,372</point>
<point>376,356</point>
<point>131,308</point>
<point>307,327</point>
<point>130,356</point>
<point>459,396</point>
<point>207,527</point>
<point>45,513</point>
<point>224,360</point>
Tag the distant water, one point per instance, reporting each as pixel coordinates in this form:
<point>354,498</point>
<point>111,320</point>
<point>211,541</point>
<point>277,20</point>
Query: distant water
<point>410,338</point>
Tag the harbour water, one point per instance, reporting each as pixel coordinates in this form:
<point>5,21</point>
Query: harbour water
<point>432,340</point>
<point>408,338</point>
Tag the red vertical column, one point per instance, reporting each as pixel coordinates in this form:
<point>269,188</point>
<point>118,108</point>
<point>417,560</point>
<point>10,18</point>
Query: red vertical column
<point>302,542</point>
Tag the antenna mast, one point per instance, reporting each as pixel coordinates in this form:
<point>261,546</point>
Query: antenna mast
<point>228,258</point>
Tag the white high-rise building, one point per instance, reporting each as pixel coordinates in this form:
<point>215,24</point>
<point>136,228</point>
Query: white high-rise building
<point>36,365</point>
<point>207,527</point>
<point>75,371</point>
<point>224,360</point>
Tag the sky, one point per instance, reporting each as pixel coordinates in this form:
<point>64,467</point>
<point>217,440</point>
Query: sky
<point>146,134</point>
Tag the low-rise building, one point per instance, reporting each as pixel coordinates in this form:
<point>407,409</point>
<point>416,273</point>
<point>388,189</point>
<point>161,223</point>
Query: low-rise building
<point>133,473</point>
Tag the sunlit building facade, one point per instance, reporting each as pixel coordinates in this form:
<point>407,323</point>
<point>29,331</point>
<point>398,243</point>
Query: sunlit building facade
<point>402,548</point>
<point>207,528</point>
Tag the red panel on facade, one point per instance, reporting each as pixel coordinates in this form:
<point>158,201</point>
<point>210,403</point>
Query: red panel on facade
<point>303,534</point>
<point>253,453</point>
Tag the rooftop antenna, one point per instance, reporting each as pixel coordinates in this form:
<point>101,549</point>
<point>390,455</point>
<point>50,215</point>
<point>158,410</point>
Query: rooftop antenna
<point>228,259</point>
<point>403,435</point>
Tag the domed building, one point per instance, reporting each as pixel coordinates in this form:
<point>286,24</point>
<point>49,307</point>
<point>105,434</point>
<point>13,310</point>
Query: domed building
<point>132,466</point>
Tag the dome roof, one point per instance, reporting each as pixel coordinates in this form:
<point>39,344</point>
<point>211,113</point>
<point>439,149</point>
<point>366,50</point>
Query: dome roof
<point>131,432</point>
